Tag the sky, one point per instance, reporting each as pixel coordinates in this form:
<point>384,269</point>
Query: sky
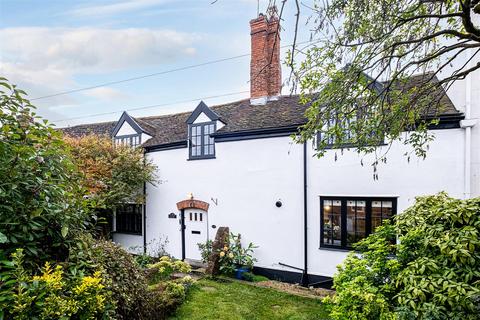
<point>53,46</point>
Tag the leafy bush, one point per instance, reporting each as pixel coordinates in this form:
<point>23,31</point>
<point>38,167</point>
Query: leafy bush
<point>41,204</point>
<point>111,174</point>
<point>53,294</point>
<point>166,267</point>
<point>432,272</point>
<point>126,281</point>
<point>205,250</point>
<point>234,255</point>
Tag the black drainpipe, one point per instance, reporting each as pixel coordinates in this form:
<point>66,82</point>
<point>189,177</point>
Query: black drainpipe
<point>144,207</point>
<point>305,238</point>
<point>145,218</point>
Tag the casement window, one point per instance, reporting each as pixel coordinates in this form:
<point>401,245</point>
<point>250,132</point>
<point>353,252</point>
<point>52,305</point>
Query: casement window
<point>130,140</point>
<point>201,144</point>
<point>128,219</point>
<point>348,134</point>
<point>346,220</point>
<point>345,125</point>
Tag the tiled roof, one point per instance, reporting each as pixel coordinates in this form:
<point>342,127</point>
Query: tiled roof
<point>237,116</point>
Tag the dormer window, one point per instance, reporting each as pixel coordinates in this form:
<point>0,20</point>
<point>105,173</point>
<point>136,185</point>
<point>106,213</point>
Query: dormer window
<point>202,145</point>
<point>128,132</point>
<point>201,124</point>
<point>130,140</point>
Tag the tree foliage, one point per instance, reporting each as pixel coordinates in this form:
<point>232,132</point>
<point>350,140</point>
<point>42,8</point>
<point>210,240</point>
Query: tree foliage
<point>432,272</point>
<point>111,174</point>
<point>40,201</point>
<point>356,77</point>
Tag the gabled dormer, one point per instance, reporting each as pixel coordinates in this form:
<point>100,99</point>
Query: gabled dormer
<point>201,124</point>
<point>129,132</point>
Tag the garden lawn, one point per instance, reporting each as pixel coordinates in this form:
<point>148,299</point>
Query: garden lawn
<point>210,299</point>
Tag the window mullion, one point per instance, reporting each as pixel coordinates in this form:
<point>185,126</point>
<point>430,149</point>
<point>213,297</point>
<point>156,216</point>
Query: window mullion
<point>202,142</point>
<point>368,217</point>
<point>343,222</point>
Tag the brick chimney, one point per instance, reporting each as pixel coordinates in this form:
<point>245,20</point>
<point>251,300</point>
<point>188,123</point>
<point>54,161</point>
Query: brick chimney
<point>265,69</point>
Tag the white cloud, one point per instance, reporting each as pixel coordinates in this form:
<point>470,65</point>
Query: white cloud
<point>106,94</point>
<point>115,8</point>
<point>46,60</point>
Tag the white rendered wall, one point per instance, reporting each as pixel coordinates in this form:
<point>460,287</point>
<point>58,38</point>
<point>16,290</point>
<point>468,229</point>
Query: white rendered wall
<point>247,177</point>
<point>131,242</point>
<point>463,92</point>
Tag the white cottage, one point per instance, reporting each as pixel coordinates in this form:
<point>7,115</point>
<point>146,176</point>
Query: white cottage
<point>235,165</point>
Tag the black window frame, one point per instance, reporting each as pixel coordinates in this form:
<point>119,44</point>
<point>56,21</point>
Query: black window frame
<point>343,212</point>
<point>127,222</point>
<point>361,113</point>
<point>202,126</point>
<point>130,140</point>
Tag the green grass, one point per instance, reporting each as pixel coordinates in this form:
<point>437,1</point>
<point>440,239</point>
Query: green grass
<point>210,299</point>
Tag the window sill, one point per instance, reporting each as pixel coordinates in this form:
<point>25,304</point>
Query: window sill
<point>201,158</point>
<point>337,249</point>
<point>129,233</point>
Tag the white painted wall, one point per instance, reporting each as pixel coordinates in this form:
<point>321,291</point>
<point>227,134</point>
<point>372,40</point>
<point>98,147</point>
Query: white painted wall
<point>248,177</point>
<point>131,242</point>
<point>461,93</point>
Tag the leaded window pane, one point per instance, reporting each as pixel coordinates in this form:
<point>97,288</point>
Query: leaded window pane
<point>202,144</point>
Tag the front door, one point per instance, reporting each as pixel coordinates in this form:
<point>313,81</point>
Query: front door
<point>196,228</point>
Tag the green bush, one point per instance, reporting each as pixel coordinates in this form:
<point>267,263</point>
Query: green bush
<point>53,294</point>
<point>164,269</point>
<point>431,272</point>
<point>41,203</point>
<point>205,250</point>
<point>127,282</point>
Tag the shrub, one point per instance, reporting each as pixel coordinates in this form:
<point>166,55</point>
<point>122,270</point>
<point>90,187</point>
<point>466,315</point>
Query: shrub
<point>126,281</point>
<point>111,174</point>
<point>205,250</point>
<point>54,294</point>
<point>166,267</point>
<point>432,272</point>
<point>234,255</point>
<point>41,203</point>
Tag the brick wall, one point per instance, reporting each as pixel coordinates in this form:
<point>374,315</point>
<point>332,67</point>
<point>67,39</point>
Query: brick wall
<point>265,69</point>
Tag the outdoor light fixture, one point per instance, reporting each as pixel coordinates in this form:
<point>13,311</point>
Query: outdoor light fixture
<point>278,203</point>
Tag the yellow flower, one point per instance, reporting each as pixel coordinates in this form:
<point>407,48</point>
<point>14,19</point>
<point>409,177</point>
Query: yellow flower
<point>222,254</point>
<point>230,255</point>
<point>225,248</point>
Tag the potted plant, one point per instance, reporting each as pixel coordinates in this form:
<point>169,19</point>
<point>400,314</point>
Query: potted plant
<point>236,260</point>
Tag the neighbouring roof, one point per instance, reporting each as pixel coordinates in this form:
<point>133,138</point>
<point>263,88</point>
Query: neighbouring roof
<point>237,116</point>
